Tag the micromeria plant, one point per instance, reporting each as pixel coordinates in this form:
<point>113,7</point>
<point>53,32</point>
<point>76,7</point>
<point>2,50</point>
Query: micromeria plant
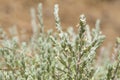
<point>57,55</point>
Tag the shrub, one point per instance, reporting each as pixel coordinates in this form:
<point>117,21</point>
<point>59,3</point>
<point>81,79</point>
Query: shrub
<point>57,55</point>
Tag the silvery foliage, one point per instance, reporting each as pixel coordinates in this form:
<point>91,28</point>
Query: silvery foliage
<point>56,56</point>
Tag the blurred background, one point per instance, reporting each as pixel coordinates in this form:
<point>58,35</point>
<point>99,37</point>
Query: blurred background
<point>17,13</point>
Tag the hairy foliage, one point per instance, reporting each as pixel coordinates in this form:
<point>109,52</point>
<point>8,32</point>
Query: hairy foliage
<point>57,55</point>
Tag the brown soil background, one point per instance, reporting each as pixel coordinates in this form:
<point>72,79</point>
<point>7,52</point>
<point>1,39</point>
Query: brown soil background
<point>17,12</point>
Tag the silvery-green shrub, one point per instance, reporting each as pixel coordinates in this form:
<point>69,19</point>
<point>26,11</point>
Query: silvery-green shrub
<point>61,55</point>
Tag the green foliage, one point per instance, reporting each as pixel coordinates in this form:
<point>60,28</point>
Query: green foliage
<point>57,55</point>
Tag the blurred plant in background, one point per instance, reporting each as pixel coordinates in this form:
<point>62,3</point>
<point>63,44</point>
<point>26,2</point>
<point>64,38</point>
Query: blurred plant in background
<point>57,55</point>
